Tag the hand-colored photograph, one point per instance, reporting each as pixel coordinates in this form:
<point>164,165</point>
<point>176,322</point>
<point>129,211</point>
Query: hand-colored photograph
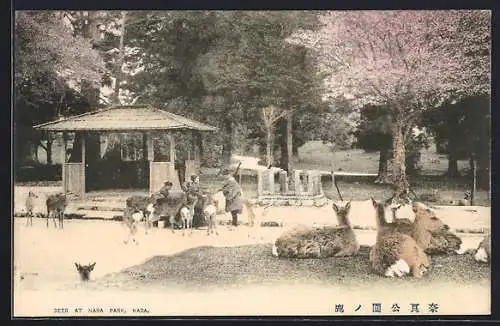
<point>251,163</point>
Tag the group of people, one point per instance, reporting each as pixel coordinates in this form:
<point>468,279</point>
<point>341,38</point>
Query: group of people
<point>231,189</point>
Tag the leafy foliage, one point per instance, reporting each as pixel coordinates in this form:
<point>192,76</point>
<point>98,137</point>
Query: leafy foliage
<point>50,64</point>
<point>223,67</point>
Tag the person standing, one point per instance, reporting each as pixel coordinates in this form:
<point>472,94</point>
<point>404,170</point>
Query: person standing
<point>180,165</point>
<point>192,186</point>
<point>233,193</point>
<point>163,193</point>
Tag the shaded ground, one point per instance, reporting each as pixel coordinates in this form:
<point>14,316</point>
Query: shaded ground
<point>233,274</point>
<point>207,267</point>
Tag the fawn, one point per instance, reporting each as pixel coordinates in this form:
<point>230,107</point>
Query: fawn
<point>210,214</point>
<point>319,242</point>
<point>30,206</point>
<point>187,213</point>
<point>84,271</point>
<point>131,218</point>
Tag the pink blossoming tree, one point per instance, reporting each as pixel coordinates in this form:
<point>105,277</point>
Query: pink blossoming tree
<point>408,61</point>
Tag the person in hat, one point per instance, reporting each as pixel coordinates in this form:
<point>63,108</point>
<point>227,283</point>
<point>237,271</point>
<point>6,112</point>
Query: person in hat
<point>162,194</point>
<point>233,193</point>
<point>192,186</point>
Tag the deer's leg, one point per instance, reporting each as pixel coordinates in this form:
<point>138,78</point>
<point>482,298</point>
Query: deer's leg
<point>54,216</point>
<point>61,220</point>
<point>48,217</point>
<point>146,224</point>
<point>171,219</point>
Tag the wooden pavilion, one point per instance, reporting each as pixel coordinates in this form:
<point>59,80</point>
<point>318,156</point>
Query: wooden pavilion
<point>145,163</point>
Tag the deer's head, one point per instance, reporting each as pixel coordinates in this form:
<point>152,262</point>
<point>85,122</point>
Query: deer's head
<point>427,219</point>
<point>342,213</point>
<point>84,270</point>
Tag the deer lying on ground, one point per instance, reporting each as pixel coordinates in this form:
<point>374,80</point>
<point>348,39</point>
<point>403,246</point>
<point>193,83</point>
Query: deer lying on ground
<point>432,235</point>
<point>30,206</point>
<point>395,253</point>
<point>56,205</point>
<point>319,242</point>
<point>84,271</point>
<point>483,251</point>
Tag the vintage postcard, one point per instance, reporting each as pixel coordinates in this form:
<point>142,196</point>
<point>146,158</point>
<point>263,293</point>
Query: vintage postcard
<point>251,163</point>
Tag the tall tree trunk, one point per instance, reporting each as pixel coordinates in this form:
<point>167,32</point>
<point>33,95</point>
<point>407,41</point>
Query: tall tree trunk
<point>452,157</point>
<point>295,150</point>
<point>453,147</point>
<point>227,146</point>
<point>401,185</point>
<point>269,145</point>
<point>452,165</point>
<point>48,150</point>
<point>472,164</point>
<point>382,166</point>
<point>119,62</point>
<point>289,144</point>
<point>283,144</point>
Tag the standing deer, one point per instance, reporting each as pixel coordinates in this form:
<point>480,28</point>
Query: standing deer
<point>187,213</point>
<point>56,205</point>
<point>30,206</point>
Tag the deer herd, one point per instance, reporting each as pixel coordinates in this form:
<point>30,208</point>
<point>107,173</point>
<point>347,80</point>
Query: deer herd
<point>402,246</point>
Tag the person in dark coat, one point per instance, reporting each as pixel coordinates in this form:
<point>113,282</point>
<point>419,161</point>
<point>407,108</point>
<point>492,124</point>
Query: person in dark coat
<point>234,196</point>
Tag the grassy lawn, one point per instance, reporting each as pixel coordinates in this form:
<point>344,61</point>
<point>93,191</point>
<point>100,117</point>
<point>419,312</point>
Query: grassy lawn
<point>227,267</point>
<point>319,156</point>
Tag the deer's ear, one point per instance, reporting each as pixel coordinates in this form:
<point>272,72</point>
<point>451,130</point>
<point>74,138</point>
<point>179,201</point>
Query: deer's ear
<point>374,202</point>
<point>77,266</point>
<point>92,266</point>
<point>335,207</point>
<point>348,205</point>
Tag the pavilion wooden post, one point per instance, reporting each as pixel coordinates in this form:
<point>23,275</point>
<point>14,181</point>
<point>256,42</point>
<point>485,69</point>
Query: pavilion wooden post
<point>83,169</point>
<point>172,173</point>
<point>63,161</point>
<point>197,151</point>
<point>150,157</point>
